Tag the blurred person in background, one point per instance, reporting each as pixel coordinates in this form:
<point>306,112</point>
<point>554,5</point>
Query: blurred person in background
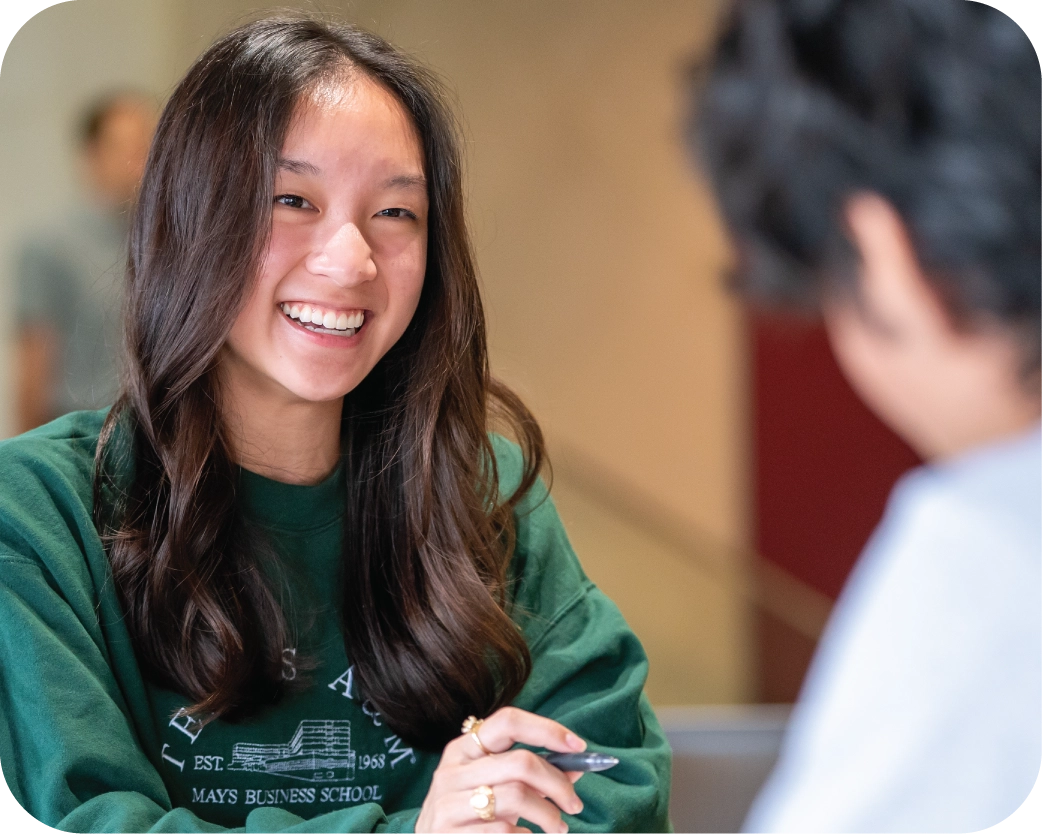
<point>70,274</point>
<point>879,160</point>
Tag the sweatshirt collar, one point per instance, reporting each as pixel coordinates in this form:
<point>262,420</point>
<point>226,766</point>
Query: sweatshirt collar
<point>292,507</point>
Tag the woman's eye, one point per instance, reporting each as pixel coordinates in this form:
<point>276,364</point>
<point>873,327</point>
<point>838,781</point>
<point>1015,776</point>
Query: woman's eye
<point>396,212</point>
<point>292,200</point>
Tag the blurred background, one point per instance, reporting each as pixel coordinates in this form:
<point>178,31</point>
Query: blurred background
<point>715,474</point>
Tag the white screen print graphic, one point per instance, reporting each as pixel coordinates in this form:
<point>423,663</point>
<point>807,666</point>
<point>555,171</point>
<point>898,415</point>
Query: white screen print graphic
<point>319,751</point>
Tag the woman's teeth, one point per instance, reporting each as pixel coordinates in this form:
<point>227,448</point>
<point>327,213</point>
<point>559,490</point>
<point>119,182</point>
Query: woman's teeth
<point>324,321</point>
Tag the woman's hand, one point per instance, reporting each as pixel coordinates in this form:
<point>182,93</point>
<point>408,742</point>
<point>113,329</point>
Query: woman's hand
<point>524,785</point>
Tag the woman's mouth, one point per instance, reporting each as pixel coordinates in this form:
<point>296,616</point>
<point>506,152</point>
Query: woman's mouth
<point>319,320</point>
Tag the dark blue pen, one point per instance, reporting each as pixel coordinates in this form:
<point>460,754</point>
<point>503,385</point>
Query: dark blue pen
<point>588,762</point>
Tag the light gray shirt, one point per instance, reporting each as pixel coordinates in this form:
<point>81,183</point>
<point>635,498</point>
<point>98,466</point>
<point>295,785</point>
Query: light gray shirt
<point>921,710</point>
<point>70,276</point>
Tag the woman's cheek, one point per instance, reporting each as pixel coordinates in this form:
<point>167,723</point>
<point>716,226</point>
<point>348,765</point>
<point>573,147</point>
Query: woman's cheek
<point>416,270</point>
<point>403,281</point>
<point>288,244</point>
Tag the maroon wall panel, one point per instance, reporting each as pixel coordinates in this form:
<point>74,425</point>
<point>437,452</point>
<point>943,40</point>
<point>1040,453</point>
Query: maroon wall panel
<point>824,463</point>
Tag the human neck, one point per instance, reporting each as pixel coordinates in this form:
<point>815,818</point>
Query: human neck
<point>1001,416</point>
<point>977,395</point>
<point>280,437</point>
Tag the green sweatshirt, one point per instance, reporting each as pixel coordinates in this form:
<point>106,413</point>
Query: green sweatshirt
<point>87,744</point>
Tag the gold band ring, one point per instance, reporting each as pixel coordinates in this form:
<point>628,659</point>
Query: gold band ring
<point>471,727</point>
<point>483,801</point>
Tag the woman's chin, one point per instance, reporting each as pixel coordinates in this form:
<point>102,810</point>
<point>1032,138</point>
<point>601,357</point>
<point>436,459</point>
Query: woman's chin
<point>320,391</point>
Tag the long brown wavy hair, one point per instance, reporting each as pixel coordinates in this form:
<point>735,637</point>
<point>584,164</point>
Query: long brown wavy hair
<point>427,536</point>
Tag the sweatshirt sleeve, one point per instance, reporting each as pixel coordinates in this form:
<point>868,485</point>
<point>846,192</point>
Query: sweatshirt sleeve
<point>588,673</point>
<point>68,750</point>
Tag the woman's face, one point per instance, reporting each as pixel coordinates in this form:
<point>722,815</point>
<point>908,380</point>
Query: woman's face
<point>344,269</point>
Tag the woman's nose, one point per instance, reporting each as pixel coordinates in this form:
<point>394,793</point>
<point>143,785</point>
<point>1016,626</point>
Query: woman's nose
<point>344,257</point>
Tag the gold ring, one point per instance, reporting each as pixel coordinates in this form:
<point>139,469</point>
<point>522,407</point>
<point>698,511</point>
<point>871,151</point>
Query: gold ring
<point>471,727</point>
<point>483,801</point>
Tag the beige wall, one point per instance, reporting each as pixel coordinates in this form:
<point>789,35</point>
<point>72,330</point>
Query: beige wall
<point>600,256</point>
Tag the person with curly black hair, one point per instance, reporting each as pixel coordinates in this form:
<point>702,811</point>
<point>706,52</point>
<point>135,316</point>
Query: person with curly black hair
<point>879,160</point>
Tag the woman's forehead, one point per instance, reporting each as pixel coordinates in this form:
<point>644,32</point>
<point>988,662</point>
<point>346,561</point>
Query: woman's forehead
<point>348,98</point>
<point>347,91</point>
<point>351,117</point>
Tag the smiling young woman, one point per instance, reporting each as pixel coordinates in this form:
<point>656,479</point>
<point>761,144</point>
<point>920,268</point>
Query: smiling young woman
<point>269,585</point>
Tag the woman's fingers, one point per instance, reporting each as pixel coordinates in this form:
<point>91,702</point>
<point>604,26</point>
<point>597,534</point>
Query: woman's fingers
<point>513,800</point>
<point>509,726</point>
<point>525,785</point>
<point>518,766</point>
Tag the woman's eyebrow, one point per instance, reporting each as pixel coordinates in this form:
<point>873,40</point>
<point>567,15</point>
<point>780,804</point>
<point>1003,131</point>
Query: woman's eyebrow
<point>298,166</point>
<point>407,181</point>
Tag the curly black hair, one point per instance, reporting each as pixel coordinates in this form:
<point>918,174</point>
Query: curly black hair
<point>932,104</point>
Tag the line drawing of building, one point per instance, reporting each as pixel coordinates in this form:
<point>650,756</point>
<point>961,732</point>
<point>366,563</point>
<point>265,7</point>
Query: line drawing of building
<point>319,751</point>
